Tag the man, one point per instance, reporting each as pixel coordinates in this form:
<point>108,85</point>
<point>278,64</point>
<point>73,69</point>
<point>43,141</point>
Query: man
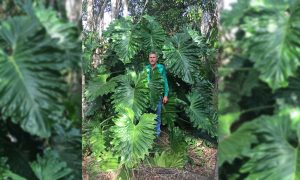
<point>151,68</point>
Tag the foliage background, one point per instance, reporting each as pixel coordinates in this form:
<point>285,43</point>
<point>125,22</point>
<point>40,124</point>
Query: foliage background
<point>259,91</point>
<point>116,93</point>
<point>39,91</point>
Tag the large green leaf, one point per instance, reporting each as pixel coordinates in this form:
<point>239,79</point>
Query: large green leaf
<point>132,92</point>
<point>199,111</point>
<point>182,56</point>
<point>126,41</point>
<point>50,167</point>
<point>272,41</point>
<point>109,161</point>
<point>31,87</point>
<point>55,27</point>
<point>67,142</point>
<point>65,33</point>
<point>291,94</point>
<point>277,155</point>
<point>169,111</point>
<point>153,34</point>
<point>197,38</point>
<point>133,141</point>
<point>176,155</point>
<point>156,88</point>
<point>97,141</point>
<point>234,16</point>
<point>225,122</point>
<point>236,144</point>
<point>98,86</point>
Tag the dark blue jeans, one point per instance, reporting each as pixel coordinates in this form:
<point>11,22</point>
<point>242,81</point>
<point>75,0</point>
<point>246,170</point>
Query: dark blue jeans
<point>158,118</point>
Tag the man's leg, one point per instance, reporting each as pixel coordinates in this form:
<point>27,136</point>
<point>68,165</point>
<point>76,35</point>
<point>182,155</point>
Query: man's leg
<point>158,118</point>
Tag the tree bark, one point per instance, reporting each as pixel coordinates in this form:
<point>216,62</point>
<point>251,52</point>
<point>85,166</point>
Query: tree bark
<point>100,18</point>
<point>87,15</point>
<point>125,7</point>
<point>115,7</point>
<point>73,9</point>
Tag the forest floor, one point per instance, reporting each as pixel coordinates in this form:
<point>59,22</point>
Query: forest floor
<point>201,165</point>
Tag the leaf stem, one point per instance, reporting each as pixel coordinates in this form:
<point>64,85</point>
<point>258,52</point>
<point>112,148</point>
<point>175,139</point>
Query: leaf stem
<point>257,108</point>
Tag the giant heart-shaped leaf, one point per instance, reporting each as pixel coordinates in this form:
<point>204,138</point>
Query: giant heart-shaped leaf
<point>131,140</point>
<point>126,42</point>
<point>153,34</point>
<point>132,92</point>
<point>182,56</point>
<point>30,87</point>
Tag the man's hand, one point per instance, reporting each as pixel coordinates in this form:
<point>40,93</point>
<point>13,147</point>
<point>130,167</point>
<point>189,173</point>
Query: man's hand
<point>165,99</point>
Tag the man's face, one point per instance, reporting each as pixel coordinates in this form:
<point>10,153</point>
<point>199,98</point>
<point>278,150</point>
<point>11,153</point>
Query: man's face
<point>152,59</point>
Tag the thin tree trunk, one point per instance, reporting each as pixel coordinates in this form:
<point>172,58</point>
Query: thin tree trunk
<point>73,9</point>
<point>100,19</point>
<point>52,3</point>
<point>125,7</point>
<point>115,7</point>
<point>90,15</point>
<point>220,5</point>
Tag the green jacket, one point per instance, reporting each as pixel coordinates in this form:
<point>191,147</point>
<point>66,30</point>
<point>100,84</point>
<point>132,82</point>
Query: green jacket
<point>162,72</point>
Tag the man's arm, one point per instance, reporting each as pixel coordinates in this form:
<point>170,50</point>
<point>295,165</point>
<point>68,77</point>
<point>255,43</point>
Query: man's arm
<point>166,86</point>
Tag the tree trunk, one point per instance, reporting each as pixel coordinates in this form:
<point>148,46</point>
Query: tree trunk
<point>87,15</point>
<point>115,7</point>
<point>73,10</point>
<point>100,18</point>
<point>125,7</point>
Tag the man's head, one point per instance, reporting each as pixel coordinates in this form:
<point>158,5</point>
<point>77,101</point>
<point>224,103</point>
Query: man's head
<point>152,58</point>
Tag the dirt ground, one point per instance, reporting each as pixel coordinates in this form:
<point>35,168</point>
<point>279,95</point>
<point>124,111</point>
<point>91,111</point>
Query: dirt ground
<point>202,167</point>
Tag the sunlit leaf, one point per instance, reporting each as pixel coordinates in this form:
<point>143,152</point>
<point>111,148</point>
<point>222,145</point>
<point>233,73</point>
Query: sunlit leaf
<point>133,141</point>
